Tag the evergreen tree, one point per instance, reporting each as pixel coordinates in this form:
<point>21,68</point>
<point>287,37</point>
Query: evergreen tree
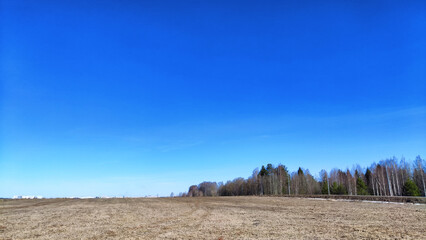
<point>270,168</point>
<point>369,181</point>
<point>324,188</point>
<point>410,189</point>
<point>338,189</point>
<point>263,171</point>
<point>361,187</point>
<point>301,186</point>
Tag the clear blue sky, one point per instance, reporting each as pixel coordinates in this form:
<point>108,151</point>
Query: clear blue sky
<point>148,97</point>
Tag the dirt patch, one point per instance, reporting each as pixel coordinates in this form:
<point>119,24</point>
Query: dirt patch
<point>210,218</point>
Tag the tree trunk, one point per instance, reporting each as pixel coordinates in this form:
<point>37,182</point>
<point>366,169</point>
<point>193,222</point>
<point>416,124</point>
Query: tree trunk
<point>379,187</point>
<point>423,179</point>
<point>397,181</point>
<point>328,186</point>
<point>280,181</point>
<point>382,184</point>
<point>372,181</point>
<point>288,184</point>
<point>389,182</point>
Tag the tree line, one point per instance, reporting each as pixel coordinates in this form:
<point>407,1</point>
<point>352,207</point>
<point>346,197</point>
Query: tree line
<point>390,177</point>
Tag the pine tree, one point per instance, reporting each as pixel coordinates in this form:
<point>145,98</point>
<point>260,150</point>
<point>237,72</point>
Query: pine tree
<point>338,189</point>
<point>369,181</point>
<point>361,187</point>
<point>324,189</point>
<point>263,171</point>
<point>410,189</point>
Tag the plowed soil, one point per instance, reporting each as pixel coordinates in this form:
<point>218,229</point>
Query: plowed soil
<point>210,218</point>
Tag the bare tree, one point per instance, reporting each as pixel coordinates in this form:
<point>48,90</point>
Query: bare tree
<point>419,168</point>
<point>384,179</point>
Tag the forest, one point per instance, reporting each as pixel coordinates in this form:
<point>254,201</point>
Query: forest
<point>390,177</point>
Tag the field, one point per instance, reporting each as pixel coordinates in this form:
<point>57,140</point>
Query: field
<point>210,218</point>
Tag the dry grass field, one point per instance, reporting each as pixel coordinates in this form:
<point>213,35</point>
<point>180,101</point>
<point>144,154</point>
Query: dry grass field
<point>209,218</point>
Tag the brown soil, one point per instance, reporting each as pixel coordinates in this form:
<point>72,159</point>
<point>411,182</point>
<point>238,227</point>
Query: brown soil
<point>209,218</point>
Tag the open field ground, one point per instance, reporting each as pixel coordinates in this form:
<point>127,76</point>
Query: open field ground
<point>209,218</point>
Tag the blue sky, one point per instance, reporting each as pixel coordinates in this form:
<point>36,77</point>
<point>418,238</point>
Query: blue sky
<point>148,97</point>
